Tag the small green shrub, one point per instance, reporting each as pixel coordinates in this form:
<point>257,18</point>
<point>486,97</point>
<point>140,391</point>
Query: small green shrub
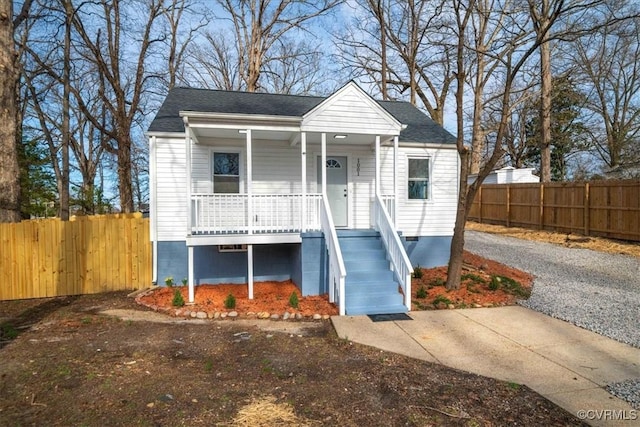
<point>511,286</point>
<point>184,281</point>
<point>8,331</point>
<point>438,281</point>
<point>441,299</point>
<point>417,272</point>
<point>169,281</point>
<point>472,277</point>
<point>494,285</point>
<point>230,301</point>
<point>421,293</point>
<point>178,300</point>
<point>293,300</point>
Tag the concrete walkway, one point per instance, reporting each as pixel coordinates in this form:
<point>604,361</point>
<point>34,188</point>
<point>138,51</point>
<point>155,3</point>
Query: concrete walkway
<point>564,363</point>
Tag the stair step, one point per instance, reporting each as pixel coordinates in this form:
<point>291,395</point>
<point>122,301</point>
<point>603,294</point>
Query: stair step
<point>370,286</point>
<point>366,277</point>
<point>371,265</point>
<point>347,245</point>
<point>374,300</point>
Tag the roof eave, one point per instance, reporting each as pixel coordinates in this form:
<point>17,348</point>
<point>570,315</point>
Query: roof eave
<point>239,117</point>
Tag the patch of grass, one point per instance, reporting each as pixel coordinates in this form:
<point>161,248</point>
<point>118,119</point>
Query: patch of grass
<point>178,299</point>
<point>86,320</point>
<point>474,278</point>
<point>208,365</point>
<point>494,285</point>
<point>421,293</point>
<point>417,272</point>
<point>230,301</point>
<point>422,306</point>
<point>438,281</point>
<point>293,300</point>
<point>510,286</point>
<point>513,386</point>
<point>8,331</point>
<point>63,371</point>
<point>441,299</point>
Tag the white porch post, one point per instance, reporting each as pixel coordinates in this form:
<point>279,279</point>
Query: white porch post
<point>190,273</point>
<point>249,184</point>
<point>377,183</point>
<point>395,181</point>
<point>187,134</point>
<point>323,163</point>
<point>250,269</point>
<point>303,162</point>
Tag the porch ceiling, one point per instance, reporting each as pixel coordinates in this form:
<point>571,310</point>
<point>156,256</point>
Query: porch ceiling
<point>205,135</point>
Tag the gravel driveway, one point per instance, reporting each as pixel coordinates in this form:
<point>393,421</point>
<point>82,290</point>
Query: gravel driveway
<point>594,290</point>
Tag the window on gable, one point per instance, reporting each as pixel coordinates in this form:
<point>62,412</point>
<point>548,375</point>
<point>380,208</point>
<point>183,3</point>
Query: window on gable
<point>226,172</point>
<point>418,178</point>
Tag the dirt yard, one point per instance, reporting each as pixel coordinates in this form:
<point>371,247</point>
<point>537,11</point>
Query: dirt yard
<point>65,363</point>
<point>568,240</point>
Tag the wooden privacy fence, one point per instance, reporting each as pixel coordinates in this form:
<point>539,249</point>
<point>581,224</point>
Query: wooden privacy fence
<point>92,254</point>
<point>598,208</point>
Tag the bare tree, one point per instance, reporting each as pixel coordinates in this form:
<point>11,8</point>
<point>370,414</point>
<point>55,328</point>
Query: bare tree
<point>608,62</point>
<point>259,28</point>
<point>517,47</point>
<point>402,47</point>
<point>177,43</point>
<point>9,120</point>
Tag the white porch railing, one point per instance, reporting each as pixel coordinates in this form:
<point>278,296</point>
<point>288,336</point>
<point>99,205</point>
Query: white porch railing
<point>337,271</point>
<point>395,250</point>
<point>270,213</point>
<point>389,204</point>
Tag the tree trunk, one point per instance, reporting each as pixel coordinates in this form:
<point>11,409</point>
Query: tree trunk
<point>66,131</point>
<point>545,113</point>
<point>454,269</point>
<point>10,170</point>
<point>125,188</point>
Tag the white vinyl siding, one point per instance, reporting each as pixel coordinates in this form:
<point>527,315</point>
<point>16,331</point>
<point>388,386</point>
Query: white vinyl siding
<point>350,111</point>
<point>276,169</point>
<point>171,212</point>
<point>432,217</point>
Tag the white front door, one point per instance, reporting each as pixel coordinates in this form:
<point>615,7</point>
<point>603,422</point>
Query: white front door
<point>337,193</point>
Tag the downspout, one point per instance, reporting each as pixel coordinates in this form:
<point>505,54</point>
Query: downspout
<point>187,134</point>
<point>153,201</point>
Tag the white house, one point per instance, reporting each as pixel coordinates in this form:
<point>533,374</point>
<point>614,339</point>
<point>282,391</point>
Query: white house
<point>341,194</point>
<point>507,175</point>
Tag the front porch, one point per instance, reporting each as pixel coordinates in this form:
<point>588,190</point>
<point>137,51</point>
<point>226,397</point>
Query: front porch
<point>265,180</point>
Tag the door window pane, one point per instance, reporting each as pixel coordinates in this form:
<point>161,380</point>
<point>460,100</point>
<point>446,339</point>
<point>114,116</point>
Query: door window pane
<point>226,172</point>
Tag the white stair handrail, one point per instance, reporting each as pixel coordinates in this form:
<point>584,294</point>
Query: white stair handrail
<point>337,271</point>
<point>395,249</point>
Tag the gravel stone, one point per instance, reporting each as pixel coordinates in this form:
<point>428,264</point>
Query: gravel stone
<point>597,291</point>
<point>594,290</point>
<point>628,390</point>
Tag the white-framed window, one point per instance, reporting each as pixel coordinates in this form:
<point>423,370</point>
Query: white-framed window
<point>226,172</point>
<point>419,182</point>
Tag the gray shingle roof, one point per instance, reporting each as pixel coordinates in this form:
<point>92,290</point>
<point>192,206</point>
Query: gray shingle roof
<point>420,128</point>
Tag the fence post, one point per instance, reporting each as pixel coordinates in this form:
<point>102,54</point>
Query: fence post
<point>480,204</point>
<point>508,205</point>
<point>587,213</point>
<point>541,225</point>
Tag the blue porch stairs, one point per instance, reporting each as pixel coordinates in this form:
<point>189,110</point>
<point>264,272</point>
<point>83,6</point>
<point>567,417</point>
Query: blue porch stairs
<point>370,285</point>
